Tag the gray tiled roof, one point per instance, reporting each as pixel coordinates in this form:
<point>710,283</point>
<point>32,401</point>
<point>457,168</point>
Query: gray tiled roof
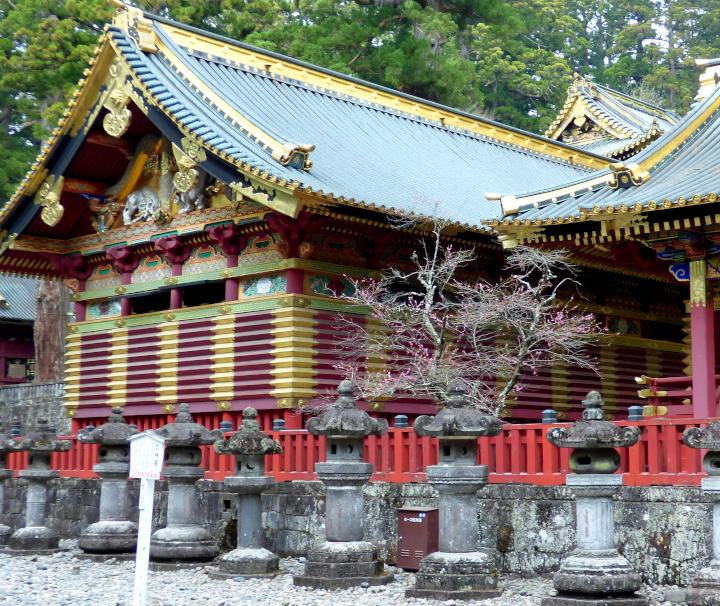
<point>20,295</point>
<point>365,153</point>
<point>632,121</point>
<point>690,168</point>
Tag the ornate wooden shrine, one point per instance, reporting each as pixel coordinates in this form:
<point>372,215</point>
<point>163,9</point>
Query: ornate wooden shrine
<point>662,204</point>
<point>205,199</point>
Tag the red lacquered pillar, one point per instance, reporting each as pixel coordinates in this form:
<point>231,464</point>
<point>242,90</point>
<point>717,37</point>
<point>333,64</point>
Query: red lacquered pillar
<point>702,340</point>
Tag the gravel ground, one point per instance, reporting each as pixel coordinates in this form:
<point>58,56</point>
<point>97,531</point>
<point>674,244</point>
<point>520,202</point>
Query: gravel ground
<point>63,580</point>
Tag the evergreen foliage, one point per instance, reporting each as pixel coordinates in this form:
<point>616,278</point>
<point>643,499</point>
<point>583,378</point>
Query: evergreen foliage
<point>510,60</point>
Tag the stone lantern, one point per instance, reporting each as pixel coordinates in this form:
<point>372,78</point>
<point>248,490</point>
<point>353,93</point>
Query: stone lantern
<point>595,573</point>
<point>114,533</point>
<point>5,473</point>
<point>249,446</point>
<point>705,587</point>
<point>345,559</point>
<point>184,538</point>
<point>40,445</point>
<point>459,570</point>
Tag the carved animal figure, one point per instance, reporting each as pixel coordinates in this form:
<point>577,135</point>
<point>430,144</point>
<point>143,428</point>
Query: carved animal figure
<point>141,205</point>
<point>193,198</point>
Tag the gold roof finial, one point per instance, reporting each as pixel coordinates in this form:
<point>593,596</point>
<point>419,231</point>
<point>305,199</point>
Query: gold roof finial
<point>582,84</point>
<point>136,25</point>
<point>708,79</point>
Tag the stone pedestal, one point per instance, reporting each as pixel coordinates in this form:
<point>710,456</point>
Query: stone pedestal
<point>459,570</point>
<point>184,538</point>
<point>345,559</point>
<point>113,533</point>
<point>595,574</point>
<point>5,531</point>
<point>249,445</point>
<point>705,587</point>
<point>5,473</point>
<point>35,536</point>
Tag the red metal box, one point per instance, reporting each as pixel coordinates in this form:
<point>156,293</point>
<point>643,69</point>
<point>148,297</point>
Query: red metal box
<point>417,535</point>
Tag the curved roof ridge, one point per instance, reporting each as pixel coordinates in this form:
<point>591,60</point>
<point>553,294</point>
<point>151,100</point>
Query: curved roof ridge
<point>637,100</point>
<point>379,107</point>
<point>494,130</point>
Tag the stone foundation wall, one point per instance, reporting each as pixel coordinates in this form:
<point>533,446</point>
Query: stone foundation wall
<point>665,532</point>
<point>28,402</point>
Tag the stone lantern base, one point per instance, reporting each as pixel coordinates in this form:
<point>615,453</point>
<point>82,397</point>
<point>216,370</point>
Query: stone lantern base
<point>578,600</point>
<point>705,588</point>
<point>34,539</point>
<point>5,532</point>
<point>339,565</point>
<point>458,576</point>
<point>109,537</point>
<point>188,543</point>
<point>247,562</point>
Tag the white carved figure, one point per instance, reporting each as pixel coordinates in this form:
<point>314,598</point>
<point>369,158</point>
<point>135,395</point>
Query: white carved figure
<point>141,205</point>
<point>193,198</point>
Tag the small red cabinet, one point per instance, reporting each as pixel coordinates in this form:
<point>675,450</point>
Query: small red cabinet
<point>417,535</point>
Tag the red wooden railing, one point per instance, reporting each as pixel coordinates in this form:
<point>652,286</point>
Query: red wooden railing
<point>669,395</point>
<point>520,454</point>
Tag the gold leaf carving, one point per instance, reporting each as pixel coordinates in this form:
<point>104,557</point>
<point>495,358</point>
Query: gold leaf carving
<point>48,196</point>
<point>186,159</point>
<point>698,283</point>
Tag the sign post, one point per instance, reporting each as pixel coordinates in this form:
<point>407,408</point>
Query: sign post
<point>146,459</point>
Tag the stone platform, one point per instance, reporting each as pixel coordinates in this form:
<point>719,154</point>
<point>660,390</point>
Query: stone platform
<point>461,576</point>
<point>576,600</point>
<point>247,562</point>
<point>343,565</point>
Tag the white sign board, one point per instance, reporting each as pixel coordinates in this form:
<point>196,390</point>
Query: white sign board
<point>147,450</point>
<point>146,455</point>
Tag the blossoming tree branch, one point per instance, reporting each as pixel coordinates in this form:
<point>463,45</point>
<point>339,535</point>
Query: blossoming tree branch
<point>427,325</point>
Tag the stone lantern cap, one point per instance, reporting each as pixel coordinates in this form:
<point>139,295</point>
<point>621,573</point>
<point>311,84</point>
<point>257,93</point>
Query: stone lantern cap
<point>698,437</point>
<point>458,418</point>
<point>183,431</point>
<point>248,440</point>
<point>593,431</point>
<point>344,420</point>
<point>43,439</point>
<point>113,433</point>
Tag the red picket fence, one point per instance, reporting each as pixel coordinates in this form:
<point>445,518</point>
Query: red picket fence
<point>520,454</point>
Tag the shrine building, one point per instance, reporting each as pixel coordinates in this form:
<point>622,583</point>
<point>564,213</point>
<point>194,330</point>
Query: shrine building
<point>205,199</point>
<point>661,202</point>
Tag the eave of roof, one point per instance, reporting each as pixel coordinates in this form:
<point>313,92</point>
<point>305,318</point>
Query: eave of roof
<point>290,180</point>
<point>20,295</point>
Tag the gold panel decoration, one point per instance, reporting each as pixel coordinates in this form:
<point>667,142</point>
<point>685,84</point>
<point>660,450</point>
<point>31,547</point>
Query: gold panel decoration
<point>187,159</point>
<point>48,196</point>
<point>627,175</point>
<point>7,243</point>
<point>698,283</point>
<point>117,120</point>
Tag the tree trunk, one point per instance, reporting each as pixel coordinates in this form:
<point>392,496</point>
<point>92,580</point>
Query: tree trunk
<point>50,331</point>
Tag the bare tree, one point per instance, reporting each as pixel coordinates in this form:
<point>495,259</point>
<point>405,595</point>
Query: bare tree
<point>424,327</point>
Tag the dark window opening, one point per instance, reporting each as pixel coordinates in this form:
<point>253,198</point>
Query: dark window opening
<point>203,294</point>
<point>157,301</point>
